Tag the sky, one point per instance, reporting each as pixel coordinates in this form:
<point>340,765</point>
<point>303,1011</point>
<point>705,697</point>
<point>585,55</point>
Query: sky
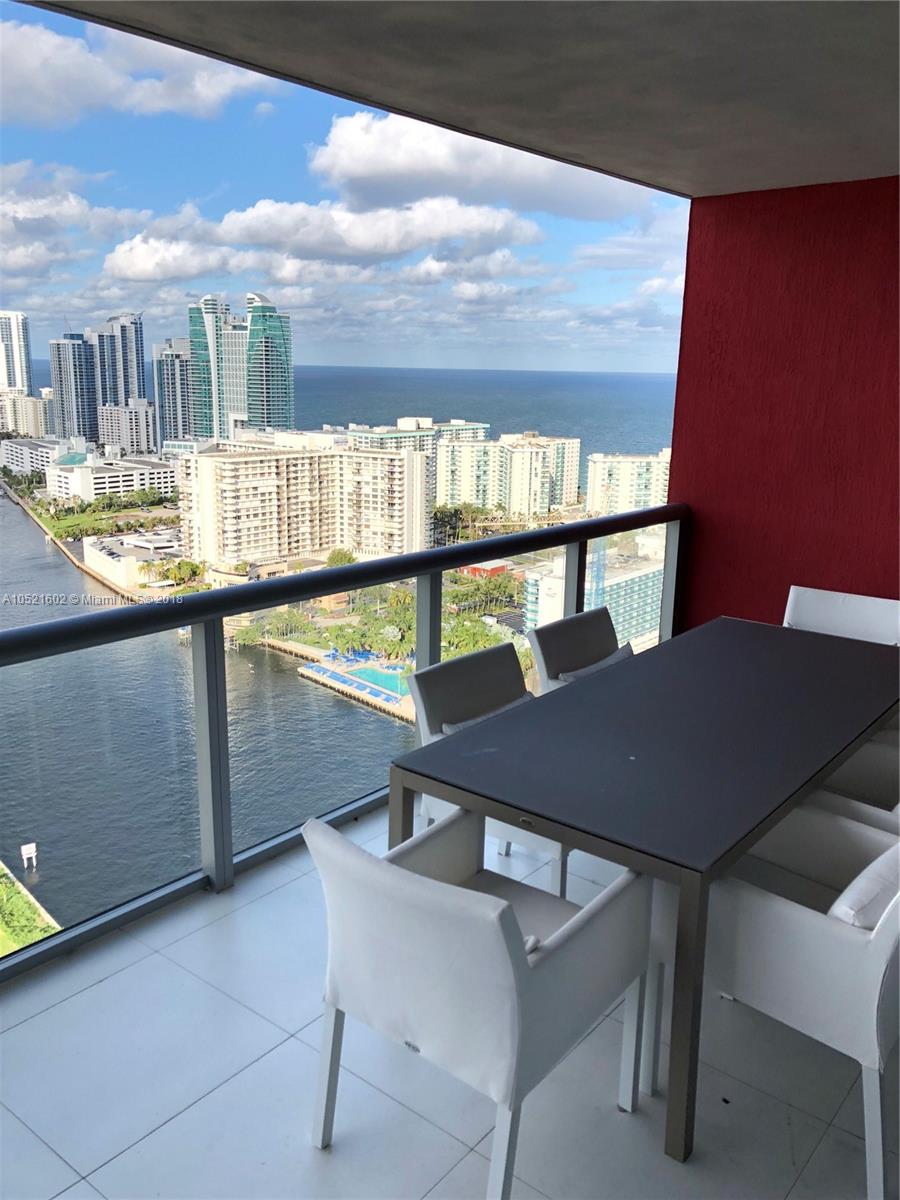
<point>136,177</point>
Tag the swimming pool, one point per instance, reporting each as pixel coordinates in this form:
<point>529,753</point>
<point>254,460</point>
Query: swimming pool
<point>391,681</point>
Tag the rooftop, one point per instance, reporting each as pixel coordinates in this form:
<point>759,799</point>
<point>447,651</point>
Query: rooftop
<point>213,1098</point>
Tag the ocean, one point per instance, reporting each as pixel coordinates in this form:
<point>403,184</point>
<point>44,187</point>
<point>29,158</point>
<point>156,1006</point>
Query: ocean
<point>98,755</point>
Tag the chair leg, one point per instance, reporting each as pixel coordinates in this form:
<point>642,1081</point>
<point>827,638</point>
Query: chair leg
<point>507,849</point>
<point>652,1029</point>
<point>559,873</point>
<point>503,1156</point>
<point>329,1068</point>
<point>873,1108</point>
<point>631,1045</point>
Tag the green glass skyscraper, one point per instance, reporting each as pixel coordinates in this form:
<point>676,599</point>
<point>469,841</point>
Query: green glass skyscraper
<point>241,368</point>
<point>270,365</point>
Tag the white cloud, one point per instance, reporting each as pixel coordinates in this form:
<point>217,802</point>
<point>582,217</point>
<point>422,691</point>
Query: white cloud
<point>42,216</point>
<point>48,78</point>
<point>185,245</point>
<point>334,230</point>
<point>378,160</point>
<point>658,244</point>
<point>662,285</point>
<point>475,293</point>
<point>265,108</point>
<point>498,264</point>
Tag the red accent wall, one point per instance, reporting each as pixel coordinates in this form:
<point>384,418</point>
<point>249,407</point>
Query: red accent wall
<point>786,413</point>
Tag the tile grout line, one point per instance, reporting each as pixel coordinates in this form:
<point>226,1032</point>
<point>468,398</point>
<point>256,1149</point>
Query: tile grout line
<point>181,1112</point>
<point>43,1142</point>
<point>78,991</point>
<point>234,908</point>
<point>228,996</point>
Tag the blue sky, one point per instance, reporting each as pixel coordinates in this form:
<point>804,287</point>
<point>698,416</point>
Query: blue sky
<point>136,176</point>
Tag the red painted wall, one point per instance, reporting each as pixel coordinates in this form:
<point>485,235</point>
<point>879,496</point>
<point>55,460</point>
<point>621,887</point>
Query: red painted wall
<point>786,413</point>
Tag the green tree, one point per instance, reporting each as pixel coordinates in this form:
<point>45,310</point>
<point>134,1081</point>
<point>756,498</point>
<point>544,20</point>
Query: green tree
<point>340,558</point>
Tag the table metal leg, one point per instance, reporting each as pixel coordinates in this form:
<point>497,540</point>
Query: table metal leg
<point>690,950</point>
<point>400,810</point>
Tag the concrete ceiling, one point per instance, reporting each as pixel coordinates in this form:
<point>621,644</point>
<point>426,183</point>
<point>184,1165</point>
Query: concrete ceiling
<point>698,98</point>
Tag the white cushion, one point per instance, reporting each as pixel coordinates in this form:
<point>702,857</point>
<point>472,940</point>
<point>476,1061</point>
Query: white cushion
<point>456,726</point>
<point>864,901</point>
<point>616,656</point>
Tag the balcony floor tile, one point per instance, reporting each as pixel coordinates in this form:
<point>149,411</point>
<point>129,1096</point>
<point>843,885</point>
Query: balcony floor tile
<point>29,1169</point>
<point>177,920</point>
<point>415,1082</point>
<point>574,1141</point>
<point>268,954</point>
<point>250,1138</point>
<point>837,1170</point>
<point>45,986</point>
<point>100,1070</point>
<point>468,1181</point>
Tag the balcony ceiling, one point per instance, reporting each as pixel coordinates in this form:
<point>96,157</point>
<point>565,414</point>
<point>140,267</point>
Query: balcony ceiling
<point>695,98</point>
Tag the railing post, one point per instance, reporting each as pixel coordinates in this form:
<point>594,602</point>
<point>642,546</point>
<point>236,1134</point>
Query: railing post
<point>213,774</point>
<point>428,619</point>
<point>576,567</point>
<point>670,581</point>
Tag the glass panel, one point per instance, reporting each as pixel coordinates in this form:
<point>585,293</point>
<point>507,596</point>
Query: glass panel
<point>493,602</point>
<point>317,705</point>
<point>99,776</point>
<point>625,573</point>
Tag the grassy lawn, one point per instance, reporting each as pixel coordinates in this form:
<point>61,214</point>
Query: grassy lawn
<point>21,922</point>
<point>65,527</point>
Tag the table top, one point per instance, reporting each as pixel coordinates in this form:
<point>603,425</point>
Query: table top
<point>681,751</point>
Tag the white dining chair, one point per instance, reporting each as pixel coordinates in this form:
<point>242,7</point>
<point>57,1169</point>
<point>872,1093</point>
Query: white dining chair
<point>805,930</point>
<point>872,774</point>
<point>491,979</point>
<point>571,648</point>
<point>459,692</point>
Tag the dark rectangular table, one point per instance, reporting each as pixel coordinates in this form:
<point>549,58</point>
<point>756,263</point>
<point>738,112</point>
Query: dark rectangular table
<point>673,763</point>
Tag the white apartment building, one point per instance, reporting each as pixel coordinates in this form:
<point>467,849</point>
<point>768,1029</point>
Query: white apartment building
<point>525,474</point>
<point>15,352</point>
<point>24,456</point>
<point>624,482</point>
<point>87,476</point>
<point>130,427</point>
<point>23,414</point>
<point>262,502</point>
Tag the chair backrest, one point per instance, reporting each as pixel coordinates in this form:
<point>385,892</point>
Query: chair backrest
<point>437,967</point>
<point>465,688</point>
<point>866,618</point>
<point>572,643</point>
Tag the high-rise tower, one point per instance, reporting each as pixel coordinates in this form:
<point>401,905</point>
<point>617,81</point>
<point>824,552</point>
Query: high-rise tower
<point>241,367</point>
<point>270,365</point>
<point>171,388</point>
<point>74,380</point>
<point>15,353</point>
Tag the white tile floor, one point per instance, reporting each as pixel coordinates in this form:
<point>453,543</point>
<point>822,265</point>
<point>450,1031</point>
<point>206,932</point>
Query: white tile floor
<point>177,1059</point>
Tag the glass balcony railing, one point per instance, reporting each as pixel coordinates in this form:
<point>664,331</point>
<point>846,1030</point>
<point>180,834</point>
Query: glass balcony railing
<point>182,741</point>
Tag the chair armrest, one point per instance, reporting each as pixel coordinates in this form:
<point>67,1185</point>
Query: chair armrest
<point>583,969</point>
<point>857,810</point>
<point>823,846</point>
<point>450,851</point>
<point>804,968</point>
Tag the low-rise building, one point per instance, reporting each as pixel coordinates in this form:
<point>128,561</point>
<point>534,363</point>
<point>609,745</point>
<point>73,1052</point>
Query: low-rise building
<point>24,456</point>
<point>631,588</point>
<point>130,427</point>
<point>623,482</point>
<point>87,476</point>
<point>525,474</point>
<point>123,560</point>
<point>23,414</point>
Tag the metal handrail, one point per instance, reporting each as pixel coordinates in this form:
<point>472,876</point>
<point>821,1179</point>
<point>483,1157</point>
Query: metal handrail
<point>65,634</point>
